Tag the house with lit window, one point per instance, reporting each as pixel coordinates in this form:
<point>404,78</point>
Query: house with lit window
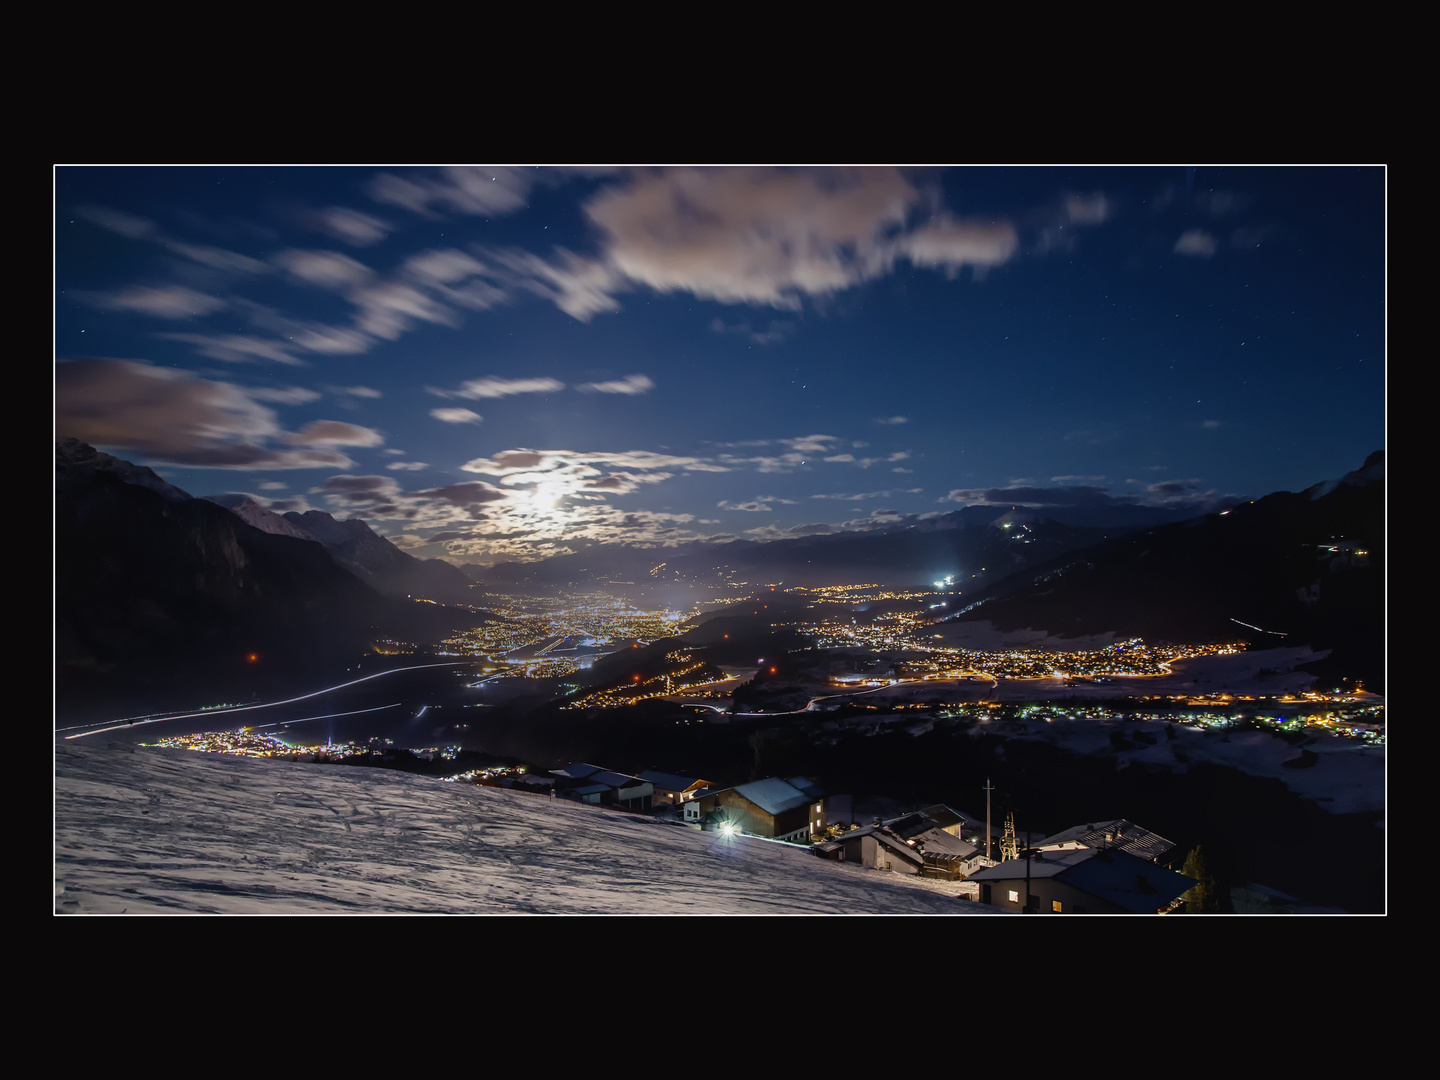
<point>1071,879</point>
<point>926,842</point>
<point>792,810</point>
<point>588,783</point>
<point>672,790</point>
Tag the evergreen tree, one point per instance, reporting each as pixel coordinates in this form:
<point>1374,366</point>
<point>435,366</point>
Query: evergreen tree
<point>1204,898</point>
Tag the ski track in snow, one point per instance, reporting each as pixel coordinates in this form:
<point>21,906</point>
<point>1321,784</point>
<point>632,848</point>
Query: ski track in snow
<point>143,830</point>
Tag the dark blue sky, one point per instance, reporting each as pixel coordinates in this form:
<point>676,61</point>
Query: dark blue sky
<point>496,363</point>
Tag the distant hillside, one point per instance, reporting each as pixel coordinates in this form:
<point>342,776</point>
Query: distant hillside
<point>376,561</point>
<point>1308,565</point>
<point>157,594</point>
<point>356,547</point>
<point>160,597</point>
<point>975,545</point>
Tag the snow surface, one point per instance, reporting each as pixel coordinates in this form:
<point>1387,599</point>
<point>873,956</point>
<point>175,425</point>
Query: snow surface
<point>253,514</point>
<point>144,830</point>
<point>1348,777</point>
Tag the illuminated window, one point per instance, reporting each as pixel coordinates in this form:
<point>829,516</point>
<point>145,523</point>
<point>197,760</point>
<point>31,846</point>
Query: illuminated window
<point>1055,906</point>
<point>1014,896</point>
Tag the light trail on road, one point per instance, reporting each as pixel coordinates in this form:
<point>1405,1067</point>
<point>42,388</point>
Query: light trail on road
<point>1262,630</point>
<point>328,716</point>
<point>137,721</point>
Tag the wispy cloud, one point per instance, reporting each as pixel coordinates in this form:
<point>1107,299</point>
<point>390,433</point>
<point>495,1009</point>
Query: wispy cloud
<point>238,348</point>
<point>127,225</point>
<point>170,416</point>
<point>492,386</point>
<point>760,503</point>
<point>1091,209</point>
<point>810,444</point>
<point>775,331</point>
<point>478,190</point>
<point>323,269</point>
<point>162,302</point>
<point>951,245</point>
<point>289,395</point>
<point>334,433</point>
<point>631,384</point>
<point>350,226</point>
<point>456,416</point>
<point>1197,242</point>
<point>767,237</point>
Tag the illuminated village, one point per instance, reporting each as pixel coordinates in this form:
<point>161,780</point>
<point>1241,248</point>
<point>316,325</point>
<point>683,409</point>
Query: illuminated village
<point>720,539</point>
<point>861,675</point>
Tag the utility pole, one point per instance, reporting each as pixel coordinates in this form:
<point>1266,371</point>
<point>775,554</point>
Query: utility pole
<point>988,789</point>
<point>1025,907</point>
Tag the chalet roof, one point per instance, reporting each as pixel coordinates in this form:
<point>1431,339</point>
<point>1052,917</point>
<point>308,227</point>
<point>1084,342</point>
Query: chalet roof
<point>1043,865</point>
<point>909,825</point>
<point>773,795</point>
<point>577,770</point>
<point>1119,834</point>
<point>936,841</point>
<point>893,843</point>
<point>936,844</point>
<point>1113,876</point>
<point>928,827</point>
<point>943,816</point>
<point>614,779</point>
<point>669,781</point>
<point>811,789</point>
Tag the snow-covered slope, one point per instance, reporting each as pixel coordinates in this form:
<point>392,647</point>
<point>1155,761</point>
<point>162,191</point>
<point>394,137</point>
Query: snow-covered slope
<point>73,452</point>
<point>155,831</point>
<point>252,513</point>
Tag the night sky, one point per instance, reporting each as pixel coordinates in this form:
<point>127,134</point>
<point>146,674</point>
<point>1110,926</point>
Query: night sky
<point>503,363</point>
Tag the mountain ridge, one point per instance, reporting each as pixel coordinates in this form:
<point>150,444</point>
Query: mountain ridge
<point>1296,567</point>
<point>160,596</point>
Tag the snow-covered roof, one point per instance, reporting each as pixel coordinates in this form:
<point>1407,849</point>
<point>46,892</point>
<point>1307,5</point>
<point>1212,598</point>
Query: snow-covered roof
<point>615,779</point>
<point>669,781</point>
<point>1045,864</point>
<point>1113,876</point>
<point>773,795</point>
<point>1129,882</point>
<point>577,770</point>
<point>943,816</point>
<point>937,841</point>
<point>1120,834</point>
<point>811,789</point>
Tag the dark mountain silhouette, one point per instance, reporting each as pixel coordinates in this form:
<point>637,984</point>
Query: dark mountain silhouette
<point>379,563</point>
<point>975,545</point>
<point>356,547</point>
<point>160,597</point>
<point>1307,565</point>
